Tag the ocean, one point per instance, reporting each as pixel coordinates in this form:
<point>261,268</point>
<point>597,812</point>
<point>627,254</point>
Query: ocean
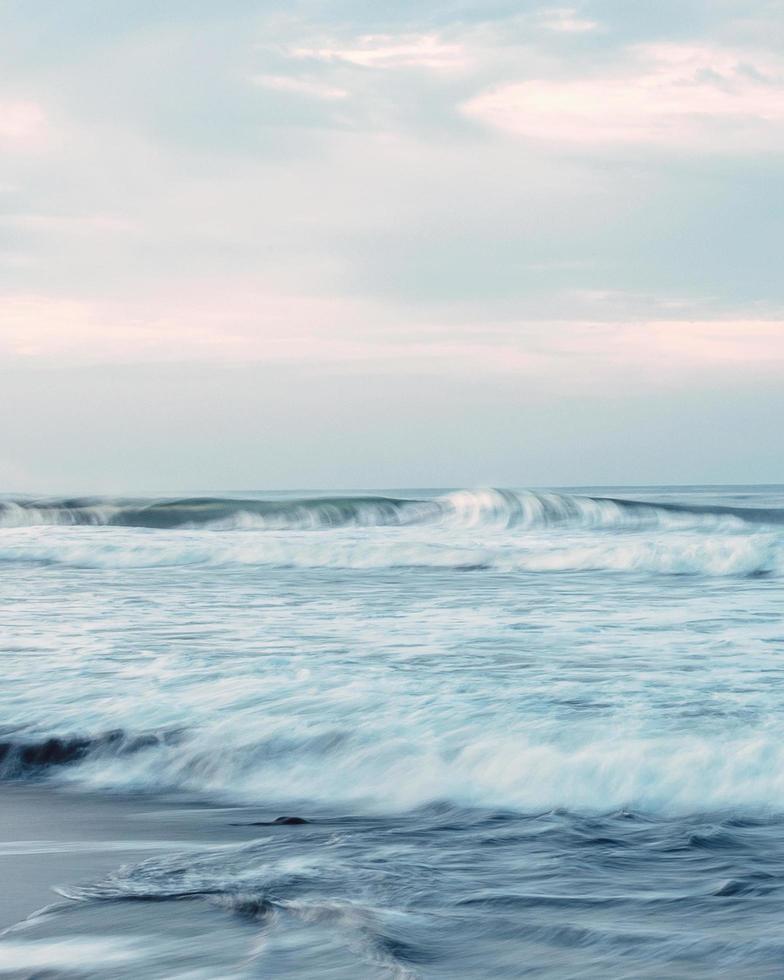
<point>436,734</point>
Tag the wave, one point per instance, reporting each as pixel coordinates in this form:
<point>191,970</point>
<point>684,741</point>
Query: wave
<point>466,530</point>
<point>661,774</point>
<point>468,508</point>
<point>729,554</point>
<point>217,512</point>
<point>20,756</point>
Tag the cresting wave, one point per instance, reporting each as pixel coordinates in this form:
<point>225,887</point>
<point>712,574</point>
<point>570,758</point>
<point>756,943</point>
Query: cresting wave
<point>669,774</point>
<point>467,530</point>
<point>470,508</point>
<point>210,512</point>
<point>21,757</point>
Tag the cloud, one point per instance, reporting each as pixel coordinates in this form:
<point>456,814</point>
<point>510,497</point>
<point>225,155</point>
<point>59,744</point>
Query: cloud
<point>656,348</point>
<point>729,343</point>
<point>81,224</point>
<point>22,125</point>
<point>567,20</point>
<point>669,94</point>
<point>211,325</point>
<point>266,327</point>
<point>386,51</point>
<point>299,86</point>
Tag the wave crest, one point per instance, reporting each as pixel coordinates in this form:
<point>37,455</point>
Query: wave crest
<point>20,756</point>
<point>656,774</point>
<point>468,508</point>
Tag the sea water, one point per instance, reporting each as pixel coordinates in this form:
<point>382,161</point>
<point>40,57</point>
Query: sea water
<point>533,733</point>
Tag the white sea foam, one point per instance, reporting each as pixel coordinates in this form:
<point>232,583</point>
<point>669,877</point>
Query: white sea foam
<point>675,551</point>
<point>667,774</point>
<point>388,665</point>
<point>76,953</point>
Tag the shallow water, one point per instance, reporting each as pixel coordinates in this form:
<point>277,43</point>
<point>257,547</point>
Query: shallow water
<point>535,733</point>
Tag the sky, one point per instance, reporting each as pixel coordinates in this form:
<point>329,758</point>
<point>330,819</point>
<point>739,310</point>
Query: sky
<point>312,244</point>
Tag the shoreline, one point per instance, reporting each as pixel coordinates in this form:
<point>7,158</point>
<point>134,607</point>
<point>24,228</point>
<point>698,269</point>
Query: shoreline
<point>55,836</point>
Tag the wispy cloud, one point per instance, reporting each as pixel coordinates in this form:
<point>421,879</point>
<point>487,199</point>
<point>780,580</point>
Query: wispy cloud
<point>22,124</point>
<point>665,94</point>
<point>567,20</point>
<point>388,51</point>
<point>310,88</point>
<point>266,327</point>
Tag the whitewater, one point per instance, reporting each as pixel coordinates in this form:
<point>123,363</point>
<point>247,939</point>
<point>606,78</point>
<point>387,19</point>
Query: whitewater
<point>533,732</point>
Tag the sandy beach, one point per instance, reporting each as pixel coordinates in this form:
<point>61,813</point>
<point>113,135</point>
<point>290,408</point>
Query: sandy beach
<point>54,837</point>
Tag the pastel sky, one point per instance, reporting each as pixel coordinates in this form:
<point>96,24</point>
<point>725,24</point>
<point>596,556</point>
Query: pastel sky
<point>353,244</point>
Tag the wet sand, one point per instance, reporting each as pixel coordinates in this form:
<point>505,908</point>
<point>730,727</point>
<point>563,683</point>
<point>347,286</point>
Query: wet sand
<point>51,837</point>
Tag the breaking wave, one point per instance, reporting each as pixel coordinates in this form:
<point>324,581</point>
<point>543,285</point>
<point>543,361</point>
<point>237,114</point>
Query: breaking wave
<point>667,774</point>
<point>21,757</point>
<point>468,508</point>
<point>731,554</point>
<point>467,530</point>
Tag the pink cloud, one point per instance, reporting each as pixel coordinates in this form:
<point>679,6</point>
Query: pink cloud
<point>22,125</point>
<point>238,326</point>
<point>300,86</point>
<point>567,20</point>
<point>390,51</point>
<point>227,326</point>
<point>670,94</point>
